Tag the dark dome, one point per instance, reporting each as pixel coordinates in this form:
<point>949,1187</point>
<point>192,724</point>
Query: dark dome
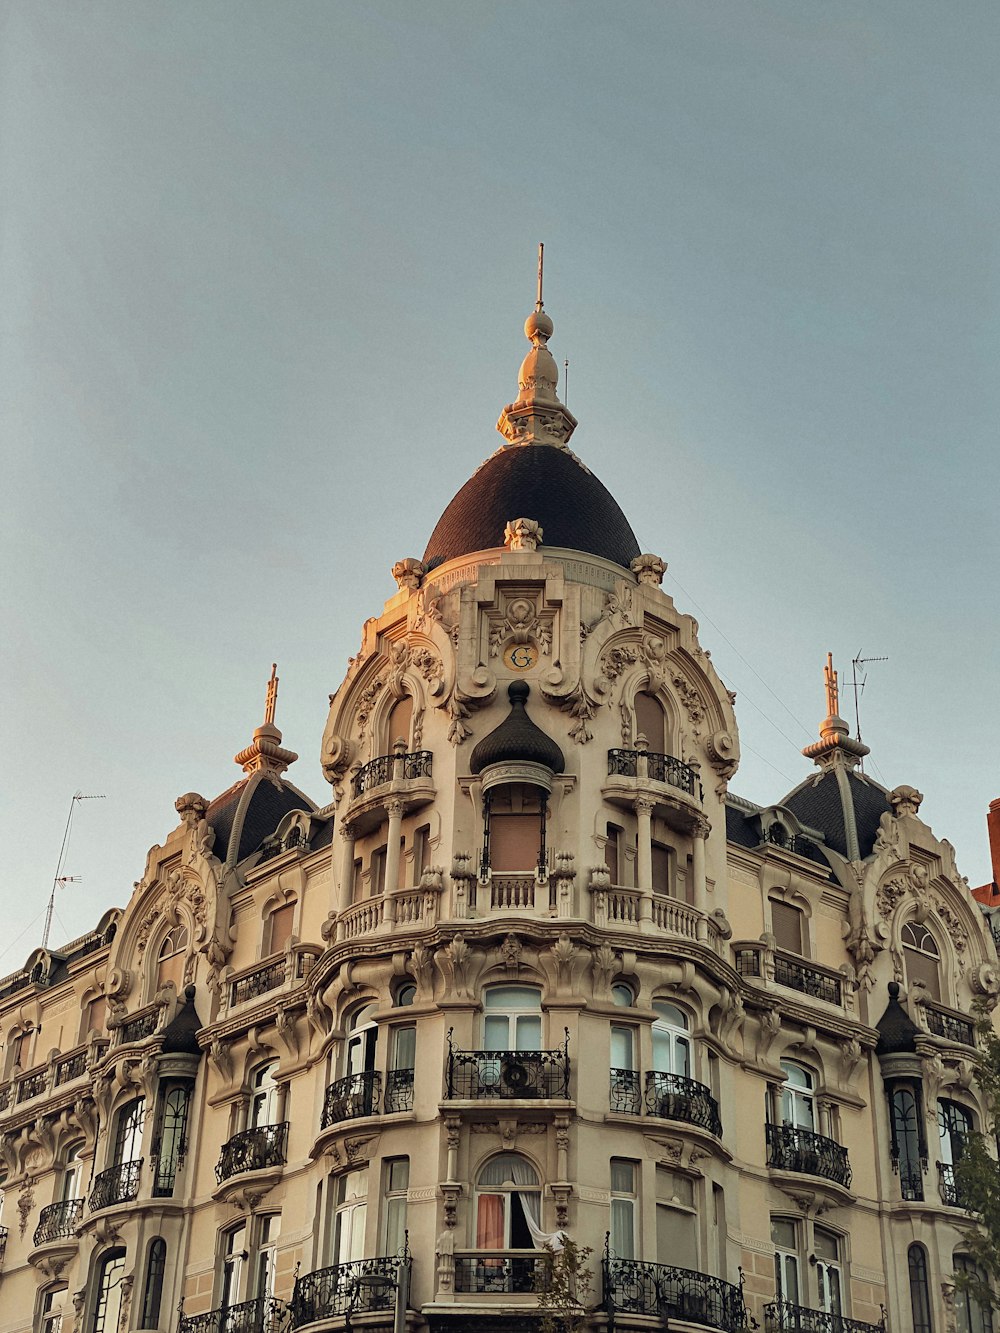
<point>266,805</point>
<point>180,1037</point>
<point>541,482</point>
<point>818,803</point>
<point>517,739</point>
<point>897,1032</point>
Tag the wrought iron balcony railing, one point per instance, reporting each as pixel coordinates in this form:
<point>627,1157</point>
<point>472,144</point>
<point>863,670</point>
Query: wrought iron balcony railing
<point>351,1097</point>
<point>792,1149</point>
<point>253,1150</point>
<point>377,772</point>
<point>626,1094</point>
<point>664,1292</point>
<point>266,978</point>
<point>140,1026</point>
<point>659,767</point>
<point>398,1091</point>
<point>58,1221</point>
<point>748,962</point>
<point>783,1317</point>
<point>3,1244</point>
<point>945,1023</point>
<point>71,1067</point>
<point>804,977</point>
<point>507,1074</point>
<point>32,1085</point>
<point>119,1184</point>
<point>911,1183</point>
<point>344,1290</point>
<point>672,1097</point>
<point>949,1186</point>
<point>500,1272</point>
<point>266,1314</point>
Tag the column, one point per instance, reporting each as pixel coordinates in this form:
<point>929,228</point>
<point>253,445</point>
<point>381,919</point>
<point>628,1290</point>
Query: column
<point>644,856</point>
<point>394,808</point>
<point>346,874</point>
<point>700,885</point>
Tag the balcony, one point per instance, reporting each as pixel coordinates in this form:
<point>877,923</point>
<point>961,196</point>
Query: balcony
<point>949,1024</point>
<point>389,775</point>
<point>665,1293</point>
<point>792,1149</point>
<point>344,1290</point>
<point>119,1184</point>
<point>818,982</point>
<point>659,768</point>
<point>266,1314</point>
<point>140,1025</point>
<point>500,1272</point>
<point>625,1092</point>
<point>58,1221</point>
<point>72,1066</point>
<point>950,1188</point>
<point>672,1097</point>
<point>351,1097</point>
<point>911,1184</point>
<point>674,787</point>
<point>783,1317</point>
<point>475,1075</point>
<point>258,1149</point>
<point>32,1085</point>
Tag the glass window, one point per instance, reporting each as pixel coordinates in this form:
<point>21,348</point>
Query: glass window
<point>378,871</point>
<point>622,996</point>
<point>351,1215</point>
<point>785,1238</point>
<point>797,1097</point>
<point>676,1226</point>
<point>170,959</point>
<point>50,1310</point>
<point>622,1054</point>
<point>70,1187</point>
<point>267,1236</point>
<point>612,853</point>
<point>362,1041</point>
<point>908,1152</point>
<point>263,1097</point>
<point>404,1048</point>
<point>623,1192</point>
<point>128,1136</point>
<point>421,851</point>
<point>954,1127</point>
<point>108,1293</point>
<point>671,1042</point>
<point>826,1246</point>
<point>153,1290</point>
<point>972,1317</point>
<point>396,1180</point>
<point>513,1019</point>
<point>921,958</point>
<point>234,1256</point>
<point>406,995</point>
<point>508,1204</point>
<point>171,1143</point>
<point>920,1298</point>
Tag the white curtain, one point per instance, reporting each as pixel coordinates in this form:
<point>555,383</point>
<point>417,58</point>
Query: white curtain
<point>522,1173</point>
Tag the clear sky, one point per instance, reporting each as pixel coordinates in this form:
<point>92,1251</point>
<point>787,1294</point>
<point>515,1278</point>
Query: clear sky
<point>263,272</point>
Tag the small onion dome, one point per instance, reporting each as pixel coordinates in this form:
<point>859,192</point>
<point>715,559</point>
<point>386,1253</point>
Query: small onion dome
<point>896,1030</point>
<point>518,743</point>
<point>180,1036</point>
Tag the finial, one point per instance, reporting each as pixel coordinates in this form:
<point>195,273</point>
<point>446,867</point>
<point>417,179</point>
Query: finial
<point>832,689</point>
<point>272,696</point>
<point>835,743</point>
<point>541,271</point>
<point>537,416</point>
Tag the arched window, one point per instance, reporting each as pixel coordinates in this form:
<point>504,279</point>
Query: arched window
<point>671,1041</point>
<point>171,1139</point>
<point>622,995</point>
<point>51,1308</point>
<point>362,1041</point>
<point>954,1127</point>
<point>515,828</point>
<point>152,1292</point>
<point>920,1298</point>
<point>263,1096</point>
<point>973,1317</point>
<point>108,1292</point>
<point>922,958</point>
<point>399,722</point>
<point>650,722</point>
<point>797,1097</point>
<point>508,1205</point>
<point>170,958</point>
<point>406,995</point>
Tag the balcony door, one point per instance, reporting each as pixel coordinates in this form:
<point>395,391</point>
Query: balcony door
<point>954,1127</point>
<point>363,1042</point>
<point>128,1136</point>
<point>263,1097</point>
<point>671,1041</point>
<point>350,1216</point>
<point>784,1237</point>
<point>829,1277</point>
<point>513,1020</point>
<point>508,1206</point>
<point>797,1104</point>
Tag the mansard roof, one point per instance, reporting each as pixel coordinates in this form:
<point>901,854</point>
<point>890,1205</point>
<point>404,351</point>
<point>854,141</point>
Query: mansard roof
<point>821,803</point>
<point>249,812</point>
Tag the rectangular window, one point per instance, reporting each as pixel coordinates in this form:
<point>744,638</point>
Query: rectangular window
<point>623,1193</point>
<point>267,1238</point>
<point>358,888</point>
<point>676,1224</point>
<point>421,851</point>
<point>97,1012</point>
<point>401,866</point>
<point>621,1048</point>
<point>51,1310</point>
<point>280,928</point>
<point>662,865</point>
<point>396,1179</point>
<point>352,1204</point>
<point>786,925</point>
<point>233,1256</point>
<point>378,871</point>
<point>612,853</point>
<point>826,1247</point>
<point>784,1236</point>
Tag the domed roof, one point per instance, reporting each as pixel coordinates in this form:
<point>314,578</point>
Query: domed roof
<point>517,739</point>
<point>180,1036</point>
<point>835,804</point>
<point>897,1032</point>
<point>249,812</point>
<point>541,482</point>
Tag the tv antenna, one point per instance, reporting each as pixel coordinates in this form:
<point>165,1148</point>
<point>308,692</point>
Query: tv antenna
<point>59,877</point>
<point>859,684</point>
<point>566,382</point>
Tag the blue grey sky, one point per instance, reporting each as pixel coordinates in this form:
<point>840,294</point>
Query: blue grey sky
<point>263,273</point>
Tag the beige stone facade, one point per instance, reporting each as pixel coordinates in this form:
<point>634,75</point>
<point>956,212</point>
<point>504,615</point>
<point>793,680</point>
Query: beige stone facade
<point>533,970</point>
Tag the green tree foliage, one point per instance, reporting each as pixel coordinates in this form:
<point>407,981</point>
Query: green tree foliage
<point>563,1284</point>
<point>977,1176</point>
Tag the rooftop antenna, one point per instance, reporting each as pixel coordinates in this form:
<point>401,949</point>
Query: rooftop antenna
<point>272,696</point>
<point>541,267</point>
<point>859,685</point>
<point>60,878</point>
<point>566,382</point>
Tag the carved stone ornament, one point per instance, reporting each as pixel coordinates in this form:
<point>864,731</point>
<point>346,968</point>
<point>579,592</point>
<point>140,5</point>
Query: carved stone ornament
<point>25,1203</point>
<point>723,753</point>
<point>510,952</point>
<point>649,569</point>
<point>522,534</point>
<point>408,573</point>
<point>905,800</point>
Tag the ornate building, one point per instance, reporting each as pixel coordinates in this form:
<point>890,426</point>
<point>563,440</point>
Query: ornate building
<point>531,971</point>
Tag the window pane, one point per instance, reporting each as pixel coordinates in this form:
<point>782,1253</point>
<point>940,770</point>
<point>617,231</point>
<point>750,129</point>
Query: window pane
<point>529,1033</point>
<point>622,1230</point>
<point>622,1176</point>
<point>621,1048</point>
<point>675,1237</point>
<point>786,922</point>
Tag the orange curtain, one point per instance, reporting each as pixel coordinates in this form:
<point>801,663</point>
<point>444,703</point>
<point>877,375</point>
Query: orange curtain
<point>489,1222</point>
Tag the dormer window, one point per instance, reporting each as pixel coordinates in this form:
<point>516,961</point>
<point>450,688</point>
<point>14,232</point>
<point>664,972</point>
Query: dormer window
<point>922,958</point>
<point>650,722</point>
<point>399,722</point>
<point>170,959</point>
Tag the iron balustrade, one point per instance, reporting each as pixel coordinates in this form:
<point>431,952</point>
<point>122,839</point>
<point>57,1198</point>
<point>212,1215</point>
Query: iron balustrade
<point>748,962</point>
<point>664,1292</point>
<point>953,1027</point>
<point>140,1027</point>
<point>3,1244</point>
<point>398,1091</point>
<point>659,767</point>
<point>253,1149</point>
<point>74,1066</point>
<point>911,1184</point>
<point>119,1184</point>
<point>351,1097</point>
<point>626,1096</point>
<point>784,1317</point>
<point>950,1187</point>
<point>265,1314</point>
<point>673,1097</point>
<point>343,1290</point>
<point>32,1085</point>
<point>507,1074</point>
<point>5,1098</point>
<point>499,1274</point>
<point>777,836</point>
<point>259,982</point>
<point>790,1148</point>
<point>796,975</point>
<point>57,1221</point>
<point>377,772</point>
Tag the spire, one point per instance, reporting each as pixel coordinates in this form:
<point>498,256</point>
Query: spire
<point>835,743</point>
<point>264,752</point>
<point>537,416</point>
